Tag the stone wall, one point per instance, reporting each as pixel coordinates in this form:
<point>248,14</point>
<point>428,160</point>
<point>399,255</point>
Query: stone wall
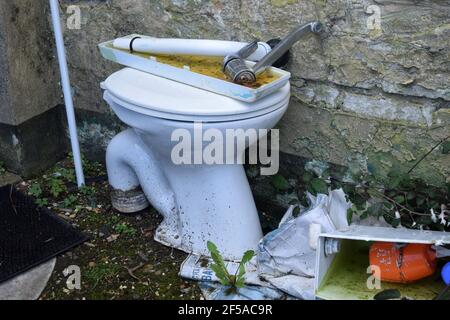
<point>373,97</point>
<point>31,123</point>
<point>28,71</point>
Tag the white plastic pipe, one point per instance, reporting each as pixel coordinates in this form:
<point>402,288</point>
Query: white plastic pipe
<point>168,46</point>
<point>68,99</point>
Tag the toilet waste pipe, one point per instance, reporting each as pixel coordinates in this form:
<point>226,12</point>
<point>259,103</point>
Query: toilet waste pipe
<point>68,99</point>
<point>193,47</point>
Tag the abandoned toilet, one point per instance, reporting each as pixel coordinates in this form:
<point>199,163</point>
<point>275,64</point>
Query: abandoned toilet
<point>198,202</point>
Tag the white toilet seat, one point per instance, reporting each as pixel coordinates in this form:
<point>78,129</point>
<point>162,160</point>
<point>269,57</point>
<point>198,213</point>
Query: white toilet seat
<point>151,95</point>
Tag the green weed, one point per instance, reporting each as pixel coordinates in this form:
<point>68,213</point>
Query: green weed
<point>235,281</point>
<point>125,229</point>
<point>101,272</point>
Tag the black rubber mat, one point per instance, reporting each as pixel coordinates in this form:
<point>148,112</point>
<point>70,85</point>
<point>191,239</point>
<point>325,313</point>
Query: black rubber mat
<point>30,236</point>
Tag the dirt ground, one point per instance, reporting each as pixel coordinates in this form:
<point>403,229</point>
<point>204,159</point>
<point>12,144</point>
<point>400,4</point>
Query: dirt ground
<point>121,260</point>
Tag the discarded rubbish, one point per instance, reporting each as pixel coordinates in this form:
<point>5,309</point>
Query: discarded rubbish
<point>287,256</point>
<point>402,263</point>
<point>187,47</point>
<point>215,291</point>
<point>315,253</point>
<point>349,275</point>
<point>198,269</point>
<point>199,75</point>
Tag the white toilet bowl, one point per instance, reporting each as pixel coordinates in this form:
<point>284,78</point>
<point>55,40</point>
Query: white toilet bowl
<point>199,202</point>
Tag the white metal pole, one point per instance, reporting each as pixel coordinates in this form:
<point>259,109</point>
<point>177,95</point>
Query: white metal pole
<point>68,99</point>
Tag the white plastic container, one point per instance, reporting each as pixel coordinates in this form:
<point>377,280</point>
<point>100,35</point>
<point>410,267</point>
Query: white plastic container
<point>229,89</point>
<point>342,266</point>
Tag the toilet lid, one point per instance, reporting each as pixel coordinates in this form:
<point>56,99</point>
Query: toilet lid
<point>164,98</point>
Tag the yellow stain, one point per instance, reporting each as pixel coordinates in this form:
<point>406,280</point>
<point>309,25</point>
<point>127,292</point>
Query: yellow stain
<point>207,66</point>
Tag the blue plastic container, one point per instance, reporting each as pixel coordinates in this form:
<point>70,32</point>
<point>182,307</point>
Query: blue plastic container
<point>446,274</point>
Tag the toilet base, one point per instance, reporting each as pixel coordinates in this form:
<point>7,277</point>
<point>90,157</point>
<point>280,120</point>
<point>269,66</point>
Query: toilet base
<point>215,203</point>
<point>129,201</point>
<point>168,239</point>
<point>199,203</point>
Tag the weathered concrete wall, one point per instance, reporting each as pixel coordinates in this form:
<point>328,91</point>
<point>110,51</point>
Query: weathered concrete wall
<point>373,97</point>
<point>31,125</point>
<point>28,70</point>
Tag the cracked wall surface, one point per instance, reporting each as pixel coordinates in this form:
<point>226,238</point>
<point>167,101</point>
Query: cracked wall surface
<point>371,94</point>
